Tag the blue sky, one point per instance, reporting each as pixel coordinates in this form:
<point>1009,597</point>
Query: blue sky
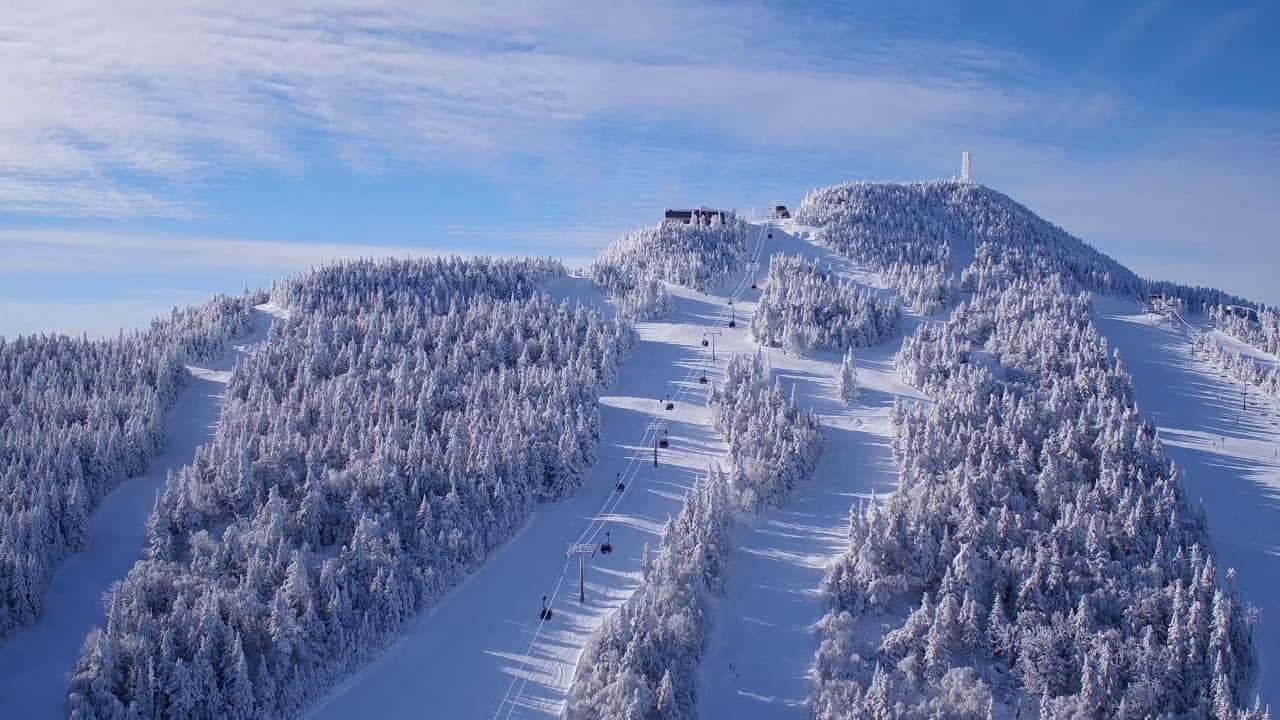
<point>153,153</point>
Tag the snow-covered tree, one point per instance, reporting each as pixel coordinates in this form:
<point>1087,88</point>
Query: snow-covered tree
<point>1030,475</point>
<point>914,234</point>
<point>77,417</point>
<point>643,660</point>
<point>1255,377</point>
<point>804,306</point>
<point>772,443</point>
<point>1257,326</point>
<point>698,256</point>
<point>379,444</point>
<point>847,380</point>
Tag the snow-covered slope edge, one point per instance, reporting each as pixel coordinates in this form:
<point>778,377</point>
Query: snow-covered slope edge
<point>1029,503</point>
<point>1223,436</point>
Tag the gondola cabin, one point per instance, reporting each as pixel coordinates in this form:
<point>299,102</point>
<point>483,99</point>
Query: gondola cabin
<point>780,212</point>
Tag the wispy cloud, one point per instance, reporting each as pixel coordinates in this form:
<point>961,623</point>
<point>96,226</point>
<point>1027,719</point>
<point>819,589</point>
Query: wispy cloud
<point>130,109</point>
<point>121,104</point>
<point>1212,38</point>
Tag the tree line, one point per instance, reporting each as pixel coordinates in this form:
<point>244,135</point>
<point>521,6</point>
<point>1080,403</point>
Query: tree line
<point>698,256</point>
<point>805,306</point>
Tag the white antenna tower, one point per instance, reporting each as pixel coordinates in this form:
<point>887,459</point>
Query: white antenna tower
<point>965,177</point>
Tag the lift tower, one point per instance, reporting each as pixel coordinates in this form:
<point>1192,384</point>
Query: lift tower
<point>583,551</point>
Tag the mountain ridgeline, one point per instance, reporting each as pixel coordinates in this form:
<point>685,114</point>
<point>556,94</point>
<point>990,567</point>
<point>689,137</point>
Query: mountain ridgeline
<point>1039,557</point>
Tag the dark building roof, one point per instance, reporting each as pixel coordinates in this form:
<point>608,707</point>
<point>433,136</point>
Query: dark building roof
<point>702,215</point>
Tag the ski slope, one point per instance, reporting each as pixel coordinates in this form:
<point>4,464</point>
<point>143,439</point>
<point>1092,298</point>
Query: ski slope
<point>1228,457</point>
<point>763,637</point>
<point>36,661</point>
<point>482,652</point>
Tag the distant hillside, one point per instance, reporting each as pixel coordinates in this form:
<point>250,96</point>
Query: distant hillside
<point>937,224</point>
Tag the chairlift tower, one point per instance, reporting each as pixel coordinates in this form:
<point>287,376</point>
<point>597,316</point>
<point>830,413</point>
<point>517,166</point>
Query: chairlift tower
<point>712,335</point>
<point>657,427</point>
<point>583,551</point>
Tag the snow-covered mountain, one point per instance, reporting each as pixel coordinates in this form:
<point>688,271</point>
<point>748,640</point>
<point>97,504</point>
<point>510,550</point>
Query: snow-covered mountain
<point>881,460</point>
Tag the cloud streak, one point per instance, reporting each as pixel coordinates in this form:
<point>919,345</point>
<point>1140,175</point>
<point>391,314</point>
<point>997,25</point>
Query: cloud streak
<point>127,104</point>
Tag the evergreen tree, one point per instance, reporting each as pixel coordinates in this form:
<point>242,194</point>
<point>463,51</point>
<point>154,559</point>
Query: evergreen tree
<point>847,384</point>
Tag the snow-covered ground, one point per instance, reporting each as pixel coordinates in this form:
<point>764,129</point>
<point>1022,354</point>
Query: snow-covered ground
<point>36,661</point>
<point>1230,457</point>
<point>482,652</point>
<point>763,637</point>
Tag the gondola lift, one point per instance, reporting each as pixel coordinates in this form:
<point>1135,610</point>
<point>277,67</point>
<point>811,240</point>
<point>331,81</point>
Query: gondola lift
<point>663,442</point>
<point>670,405</point>
<point>754,288</point>
<point>620,486</point>
<point>705,342</point>
<point>703,379</point>
<point>545,614</point>
<point>607,547</point>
